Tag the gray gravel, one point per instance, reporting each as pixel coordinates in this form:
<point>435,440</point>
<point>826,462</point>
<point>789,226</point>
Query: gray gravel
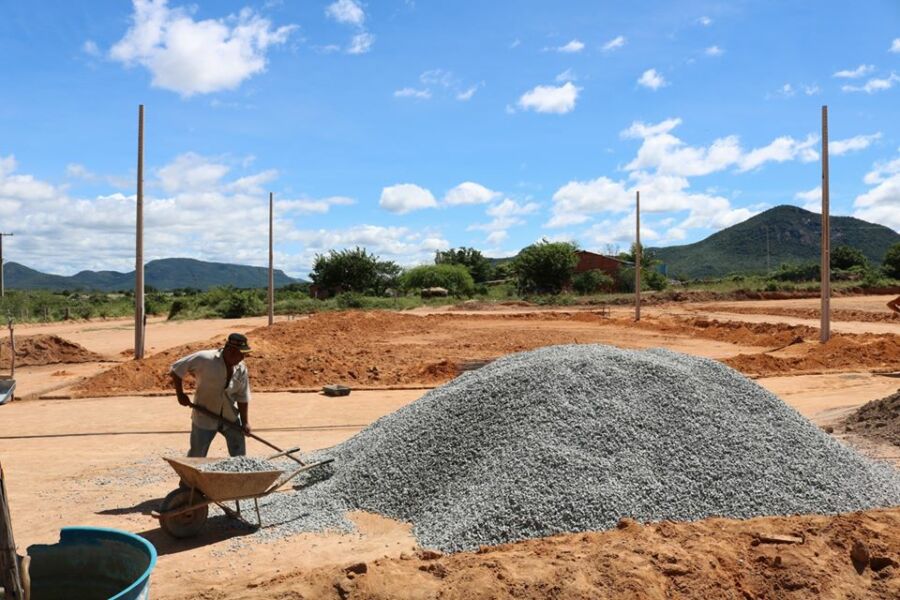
<point>239,464</point>
<point>573,438</point>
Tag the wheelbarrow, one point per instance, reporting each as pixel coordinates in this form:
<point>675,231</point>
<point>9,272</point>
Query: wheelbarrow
<point>184,511</point>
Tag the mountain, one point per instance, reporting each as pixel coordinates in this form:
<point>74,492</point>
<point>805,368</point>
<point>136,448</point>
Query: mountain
<point>164,274</point>
<point>794,236</point>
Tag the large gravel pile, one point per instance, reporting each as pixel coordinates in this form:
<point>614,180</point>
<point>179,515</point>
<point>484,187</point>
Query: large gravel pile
<point>571,438</point>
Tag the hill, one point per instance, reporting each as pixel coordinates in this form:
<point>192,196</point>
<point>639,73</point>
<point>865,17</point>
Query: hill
<point>794,236</point>
<point>163,274</point>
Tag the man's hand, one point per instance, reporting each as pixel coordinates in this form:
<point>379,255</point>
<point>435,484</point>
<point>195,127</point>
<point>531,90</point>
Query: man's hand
<point>247,428</point>
<point>183,399</point>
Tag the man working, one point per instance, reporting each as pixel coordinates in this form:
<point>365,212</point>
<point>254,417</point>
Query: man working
<point>894,305</point>
<point>223,388</point>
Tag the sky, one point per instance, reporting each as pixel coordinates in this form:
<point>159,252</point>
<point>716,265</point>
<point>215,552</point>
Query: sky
<point>411,126</point>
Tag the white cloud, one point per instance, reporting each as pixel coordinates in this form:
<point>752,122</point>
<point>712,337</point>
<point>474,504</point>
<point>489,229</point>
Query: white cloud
<point>812,199</point>
<point>470,192</point>
<point>497,237</point>
<point>567,75</point>
<point>571,47</point>
<point>466,95</point>
<point>615,43</point>
<point>406,197</point>
<point>781,149</point>
<point>811,90</point>
<point>652,79</point>
<point>402,244</point>
<point>550,99</point>
<point>881,204</point>
<point>873,85</point>
<point>787,90</point>
<point>713,51</point>
<point>705,21</point>
<point>197,57</point>
<point>191,172</point>
<point>573,201</point>
<point>515,43</point>
<point>361,43</point>
<point>860,71</point>
<point>859,142</point>
<point>90,48</point>
<point>409,92</point>
<point>311,206</point>
<point>347,12</point>
<point>895,46</point>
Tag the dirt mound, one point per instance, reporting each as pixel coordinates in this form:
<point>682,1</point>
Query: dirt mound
<point>879,419</point>
<point>840,314</point>
<point>841,352</point>
<point>714,558</point>
<point>37,350</point>
<point>734,332</point>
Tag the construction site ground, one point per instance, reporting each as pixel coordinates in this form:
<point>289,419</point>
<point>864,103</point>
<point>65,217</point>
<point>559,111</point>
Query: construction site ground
<point>81,451</point>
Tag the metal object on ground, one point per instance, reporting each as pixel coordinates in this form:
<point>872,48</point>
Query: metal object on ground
<point>184,511</point>
<point>7,390</point>
<point>336,390</point>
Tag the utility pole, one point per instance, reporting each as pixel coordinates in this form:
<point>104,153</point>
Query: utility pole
<point>825,326</point>
<point>139,323</point>
<point>271,260</point>
<point>2,287</point>
<point>637,258</point>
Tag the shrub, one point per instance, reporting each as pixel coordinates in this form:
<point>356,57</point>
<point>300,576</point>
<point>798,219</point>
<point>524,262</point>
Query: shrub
<point>477,265</point>
<point>545,267</point>
<point>891,262</point>
<point>240,304</point>
<point>455,278</point>
<point>178,306</point>
<point>350,300</point>
<point>845,257</point>
<point>592,281</point>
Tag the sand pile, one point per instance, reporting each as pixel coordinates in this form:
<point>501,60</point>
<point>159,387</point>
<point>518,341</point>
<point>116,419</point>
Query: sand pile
<point>842,352</point>
<point>36,350</point>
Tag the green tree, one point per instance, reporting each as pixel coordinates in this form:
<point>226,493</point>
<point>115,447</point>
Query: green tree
<point>478,266</point>
<point>845,257</point>
<point>354,271</point>
<point>545,267</point>
<point>891,262</point>
<point>591,281</point>
<point>648,257</point>
<point>455,278</point>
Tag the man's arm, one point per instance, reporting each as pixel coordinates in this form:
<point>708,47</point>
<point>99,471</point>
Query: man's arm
<point>244,411</point>
<point>894,305</point>
<point>183,399</point>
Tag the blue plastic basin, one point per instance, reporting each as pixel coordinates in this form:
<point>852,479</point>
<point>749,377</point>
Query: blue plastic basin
<point>92,563</point>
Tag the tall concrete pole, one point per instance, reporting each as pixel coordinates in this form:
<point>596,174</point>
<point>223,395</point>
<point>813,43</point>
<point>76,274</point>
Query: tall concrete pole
<point>637,258</point>
<point>825,326</point>
<point>139,245</point>
<point>2,284</point>
<point>271,260</point>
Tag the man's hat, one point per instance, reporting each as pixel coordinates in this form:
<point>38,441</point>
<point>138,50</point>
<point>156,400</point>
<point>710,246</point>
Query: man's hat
<point>239,341</point>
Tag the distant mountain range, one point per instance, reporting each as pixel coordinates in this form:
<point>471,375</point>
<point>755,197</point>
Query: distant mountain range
<point>164,274</point>
<point>784,234</point>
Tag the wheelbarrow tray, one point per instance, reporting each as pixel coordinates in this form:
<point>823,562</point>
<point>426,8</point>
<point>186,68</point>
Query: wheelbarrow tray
<point>219,487</point>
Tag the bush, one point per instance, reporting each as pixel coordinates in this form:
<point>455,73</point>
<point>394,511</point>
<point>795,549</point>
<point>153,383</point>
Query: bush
<point>178,306</point>
<point>797,272</point>
<point>845,257</point>
<point>477,265</point>
<point>354,271</point>
<point>591,282</point>
<point>455,278</point>
<point>650,280</point>
<point>240,304</point>
<point>891,262</point>
<point>350,300</point>
<point>545,267</point>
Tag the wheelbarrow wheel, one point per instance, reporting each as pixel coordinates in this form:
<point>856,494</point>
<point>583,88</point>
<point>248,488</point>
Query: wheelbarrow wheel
<point>186,524</point>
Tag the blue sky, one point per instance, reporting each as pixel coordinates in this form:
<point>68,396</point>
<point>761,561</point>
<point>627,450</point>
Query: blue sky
<point>411,126</point>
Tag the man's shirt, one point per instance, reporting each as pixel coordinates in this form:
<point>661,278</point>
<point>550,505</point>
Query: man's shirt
<point>211,373</point>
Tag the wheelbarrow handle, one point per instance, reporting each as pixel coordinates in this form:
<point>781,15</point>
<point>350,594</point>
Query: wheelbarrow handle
<point>233,425</point>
